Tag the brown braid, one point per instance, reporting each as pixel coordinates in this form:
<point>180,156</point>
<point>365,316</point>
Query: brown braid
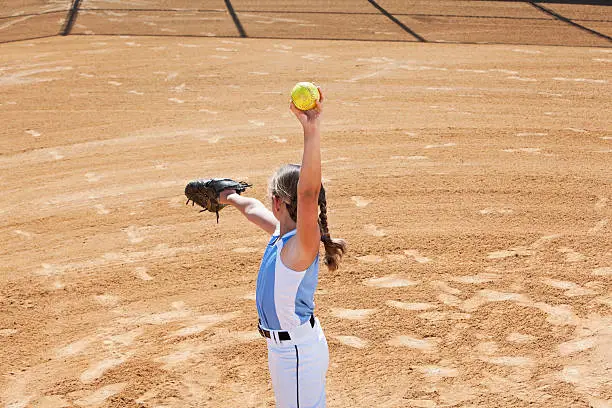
<point>284,185</point>
<point>334,248</point>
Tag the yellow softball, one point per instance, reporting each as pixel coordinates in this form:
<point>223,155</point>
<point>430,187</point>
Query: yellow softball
<point>305,95</point>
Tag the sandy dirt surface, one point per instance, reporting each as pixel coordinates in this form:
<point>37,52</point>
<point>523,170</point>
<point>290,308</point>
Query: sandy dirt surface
<point>16,8</point>
<point>472,183</point>
<point>29,24</point>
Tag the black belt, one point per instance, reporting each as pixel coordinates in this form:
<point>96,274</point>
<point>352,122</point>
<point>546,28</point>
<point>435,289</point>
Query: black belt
<point>282,335</point>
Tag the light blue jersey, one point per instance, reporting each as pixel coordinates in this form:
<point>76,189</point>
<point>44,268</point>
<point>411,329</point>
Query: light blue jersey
<point>284,297</point>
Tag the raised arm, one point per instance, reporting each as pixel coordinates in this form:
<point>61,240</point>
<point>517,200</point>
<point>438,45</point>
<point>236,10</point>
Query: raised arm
<point>252,209</point>
<point>304,248</point>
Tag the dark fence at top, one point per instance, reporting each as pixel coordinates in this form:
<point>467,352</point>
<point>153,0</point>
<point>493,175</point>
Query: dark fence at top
<point>563,23</point>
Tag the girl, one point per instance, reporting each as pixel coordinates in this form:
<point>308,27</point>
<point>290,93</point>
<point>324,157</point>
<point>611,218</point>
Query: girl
<point>297,349</point>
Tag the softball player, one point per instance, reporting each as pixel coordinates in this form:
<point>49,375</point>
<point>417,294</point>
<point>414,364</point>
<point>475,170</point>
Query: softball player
<point>298,356</point>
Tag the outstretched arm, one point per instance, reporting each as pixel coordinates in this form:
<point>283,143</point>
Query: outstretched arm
<point>305,247</point>
<point>252,209</point>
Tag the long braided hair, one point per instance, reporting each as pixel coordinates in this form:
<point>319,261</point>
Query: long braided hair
<point>284,185</point>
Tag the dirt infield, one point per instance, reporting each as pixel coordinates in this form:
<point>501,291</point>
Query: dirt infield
<point>472,183</point>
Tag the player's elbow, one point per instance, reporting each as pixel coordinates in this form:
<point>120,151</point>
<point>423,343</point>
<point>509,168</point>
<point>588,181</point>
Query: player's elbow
<point>252,208</point>
<point>308,186</point>
<point>308,193</point>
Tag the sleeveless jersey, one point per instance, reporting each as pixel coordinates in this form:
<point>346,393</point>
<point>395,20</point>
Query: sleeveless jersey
<point>284,297</point>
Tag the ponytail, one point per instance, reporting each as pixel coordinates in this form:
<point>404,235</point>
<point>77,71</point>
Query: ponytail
<point>284,185</point>
<point>334,248</point>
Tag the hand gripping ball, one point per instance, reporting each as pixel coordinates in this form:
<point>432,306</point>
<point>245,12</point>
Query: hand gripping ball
<point>305,95</point>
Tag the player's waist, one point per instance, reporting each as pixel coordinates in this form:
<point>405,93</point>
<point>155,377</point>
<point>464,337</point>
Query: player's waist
<point>283,315</point>
<point>292,335</point>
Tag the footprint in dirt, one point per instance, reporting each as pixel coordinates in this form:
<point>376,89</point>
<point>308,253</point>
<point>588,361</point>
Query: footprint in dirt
<point>277,139</point>
<point>370,258</point>
<point>97,370</point>
<point>248,296</point>
<point>360,201</point>
<point>509,361</point>
<point>529,150</point>
<point>603,271</point>
<point>528,134</point>
<point>33,133</point>
<point>520,338</point>
<point>98,397</point>
<point>415,158</point>
<point>101,210</point>
<point>419,307</point>
<point>74,348</point>
<point>559,315</point>
<point>395,257</point>
<point>437,146</point>
<point>600,225</point>
<point>601,203</point>
<point>24,234</point>
<point>200,323</point>
<point>575,346</point>
<point>428,345</point>
<point>443,316</point>
<point>413,253</point>
<point>512,252</point>
<point>177,358</point>
<point>107,299</point>
<point>375,231</point>
<point>540,242</point>
<point>51,401</point>
<point>352,341</point>
<point>134,234</point>
<point>56,155</point>
<point>445,287</point>
<point>523,251</point>
<point>476,279</point>
<point>492,210</point>
<point>8,332</point>
<point>571,288</point>
<point>257,123</point>
<point>352,314</point>
<point>50,270</point>
<point>449,300</point>
<point>485,296</point>
<point>389,281</point>
<point>124,339</point>
<point>92,177</point>
<point>437,371</point>
<point>141,273</point>
<point>571,255</point>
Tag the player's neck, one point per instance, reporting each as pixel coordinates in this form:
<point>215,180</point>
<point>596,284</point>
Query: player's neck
<point>287,226</point>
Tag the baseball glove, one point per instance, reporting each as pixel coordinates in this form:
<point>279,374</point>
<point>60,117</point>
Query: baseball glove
<point>205,192</point>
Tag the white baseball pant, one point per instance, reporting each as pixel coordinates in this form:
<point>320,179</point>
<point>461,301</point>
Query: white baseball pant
<point>298,367</point>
